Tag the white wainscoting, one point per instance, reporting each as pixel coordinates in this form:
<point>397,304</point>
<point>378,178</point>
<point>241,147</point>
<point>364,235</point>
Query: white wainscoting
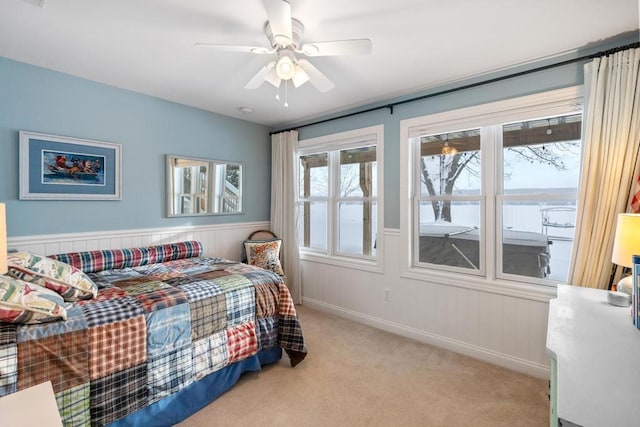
<point>223,240</point>
<point>505,330</point>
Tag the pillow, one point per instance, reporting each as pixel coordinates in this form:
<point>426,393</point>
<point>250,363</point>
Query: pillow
<point>264,254</point>
<point>72,284</point>
<point>243,255</point>
<point>110,259</point>
<point>22,302</point>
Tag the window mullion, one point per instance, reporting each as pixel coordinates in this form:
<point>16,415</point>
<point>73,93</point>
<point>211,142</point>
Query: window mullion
<point>415,193</point>
<point>490,173</point>
<point>333,225</point>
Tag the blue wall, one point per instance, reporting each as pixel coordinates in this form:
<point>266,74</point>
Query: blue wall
<point>40,100</point>
<point>527,84</point>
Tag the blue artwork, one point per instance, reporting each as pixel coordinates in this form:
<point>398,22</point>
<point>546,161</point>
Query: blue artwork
<point>63,168</point>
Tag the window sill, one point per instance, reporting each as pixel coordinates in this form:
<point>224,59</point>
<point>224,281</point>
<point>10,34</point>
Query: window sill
<point>515,289</point>
<point>373,266</point>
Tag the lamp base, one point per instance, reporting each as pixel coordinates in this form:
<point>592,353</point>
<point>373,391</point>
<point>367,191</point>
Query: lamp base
<point>618,298</point>
<point>626,285</point>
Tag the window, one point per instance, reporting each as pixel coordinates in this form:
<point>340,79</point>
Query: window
<point>448,207</point>
<point>339,200</point>
<point>494,188</point>
<point>314,200</point>
<point>537,200</point>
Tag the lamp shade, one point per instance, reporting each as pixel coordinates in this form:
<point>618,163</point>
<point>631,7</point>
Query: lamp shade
<point>627,239</point>
<point>3,239</point>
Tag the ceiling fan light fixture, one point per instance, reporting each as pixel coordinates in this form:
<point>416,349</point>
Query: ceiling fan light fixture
<point>285,67</point>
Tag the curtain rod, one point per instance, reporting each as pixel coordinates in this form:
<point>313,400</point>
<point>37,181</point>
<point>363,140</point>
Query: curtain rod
<point>468,86</point>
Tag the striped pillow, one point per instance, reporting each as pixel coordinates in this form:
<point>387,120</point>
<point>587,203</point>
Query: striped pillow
<point>110,259</point>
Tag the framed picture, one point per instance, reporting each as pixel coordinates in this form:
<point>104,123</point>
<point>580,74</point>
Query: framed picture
<point>63,168</point>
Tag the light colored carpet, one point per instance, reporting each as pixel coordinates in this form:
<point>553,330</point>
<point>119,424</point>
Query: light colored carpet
<point>356,375</point>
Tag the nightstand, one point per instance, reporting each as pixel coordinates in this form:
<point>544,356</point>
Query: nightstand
<point>595,360</point>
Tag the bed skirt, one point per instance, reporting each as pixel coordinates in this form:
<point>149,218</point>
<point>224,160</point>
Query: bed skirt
<point>178,407</point>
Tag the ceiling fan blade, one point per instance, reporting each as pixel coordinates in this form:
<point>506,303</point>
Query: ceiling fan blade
<point>236,48</point>
<point>279,14</point>
<point>300,77</point>
<point>259,78</point>
<point>319,80</point>
<point>272,77</point>
<point>338,47</point>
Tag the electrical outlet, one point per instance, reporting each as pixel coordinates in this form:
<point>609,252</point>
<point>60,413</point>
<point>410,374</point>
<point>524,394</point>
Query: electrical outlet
<point>386,294</point>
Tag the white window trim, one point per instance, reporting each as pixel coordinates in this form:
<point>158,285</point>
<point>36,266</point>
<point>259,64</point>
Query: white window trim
<point>342,141</point>
<point>558,102</point>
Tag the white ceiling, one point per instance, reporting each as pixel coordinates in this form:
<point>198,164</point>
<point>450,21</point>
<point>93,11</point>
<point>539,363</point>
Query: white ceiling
<point>147,45</point>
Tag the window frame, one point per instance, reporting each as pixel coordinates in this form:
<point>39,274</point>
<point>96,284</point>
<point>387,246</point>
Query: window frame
<point>332,145</point>
<point>313,199</point>
<point>418,198</point>
<point>489,117</point>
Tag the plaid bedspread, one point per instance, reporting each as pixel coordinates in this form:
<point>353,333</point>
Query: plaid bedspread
<point>151,331</point>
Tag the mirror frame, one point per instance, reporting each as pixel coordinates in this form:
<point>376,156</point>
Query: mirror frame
<point>210,195</point>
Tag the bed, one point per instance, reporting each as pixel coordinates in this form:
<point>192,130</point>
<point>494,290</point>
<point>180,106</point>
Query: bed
<point>150,335</point>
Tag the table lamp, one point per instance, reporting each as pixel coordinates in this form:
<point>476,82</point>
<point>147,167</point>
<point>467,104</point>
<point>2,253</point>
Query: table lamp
<point>625,246</point>
<point>3,239</point>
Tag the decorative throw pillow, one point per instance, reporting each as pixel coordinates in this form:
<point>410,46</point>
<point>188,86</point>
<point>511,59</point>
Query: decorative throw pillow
<point>22,302</point>
<point>72,284</point>
<point>243,255</point>
<point>264,254</point>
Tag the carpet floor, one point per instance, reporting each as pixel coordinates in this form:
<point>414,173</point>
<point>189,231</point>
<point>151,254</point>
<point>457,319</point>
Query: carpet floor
<point>355,375</point>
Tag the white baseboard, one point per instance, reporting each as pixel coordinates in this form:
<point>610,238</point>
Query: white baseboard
<point>499,359</point>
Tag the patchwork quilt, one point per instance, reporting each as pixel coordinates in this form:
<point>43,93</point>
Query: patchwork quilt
<point>155,326</point>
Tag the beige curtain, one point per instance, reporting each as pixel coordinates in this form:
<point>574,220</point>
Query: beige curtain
<point>284,221</point>
<point>609,165</point>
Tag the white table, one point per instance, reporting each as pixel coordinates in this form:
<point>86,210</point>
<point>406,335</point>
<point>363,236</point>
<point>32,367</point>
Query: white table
<point>595,366</point>
<point>32,407</point>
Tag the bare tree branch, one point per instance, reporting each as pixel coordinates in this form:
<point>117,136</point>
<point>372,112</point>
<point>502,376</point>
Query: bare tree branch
<point>551,154</point>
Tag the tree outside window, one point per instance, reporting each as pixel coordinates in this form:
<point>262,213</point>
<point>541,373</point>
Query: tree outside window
<point>537,179</point>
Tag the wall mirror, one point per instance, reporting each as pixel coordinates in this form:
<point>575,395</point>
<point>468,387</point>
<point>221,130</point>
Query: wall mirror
<point>203,187</point>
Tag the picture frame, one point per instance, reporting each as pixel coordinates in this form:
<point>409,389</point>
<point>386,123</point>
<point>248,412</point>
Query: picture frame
<point>56,167</point>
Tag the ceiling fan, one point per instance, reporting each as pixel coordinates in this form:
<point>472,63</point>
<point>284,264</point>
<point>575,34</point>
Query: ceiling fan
<point>285,35</point>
